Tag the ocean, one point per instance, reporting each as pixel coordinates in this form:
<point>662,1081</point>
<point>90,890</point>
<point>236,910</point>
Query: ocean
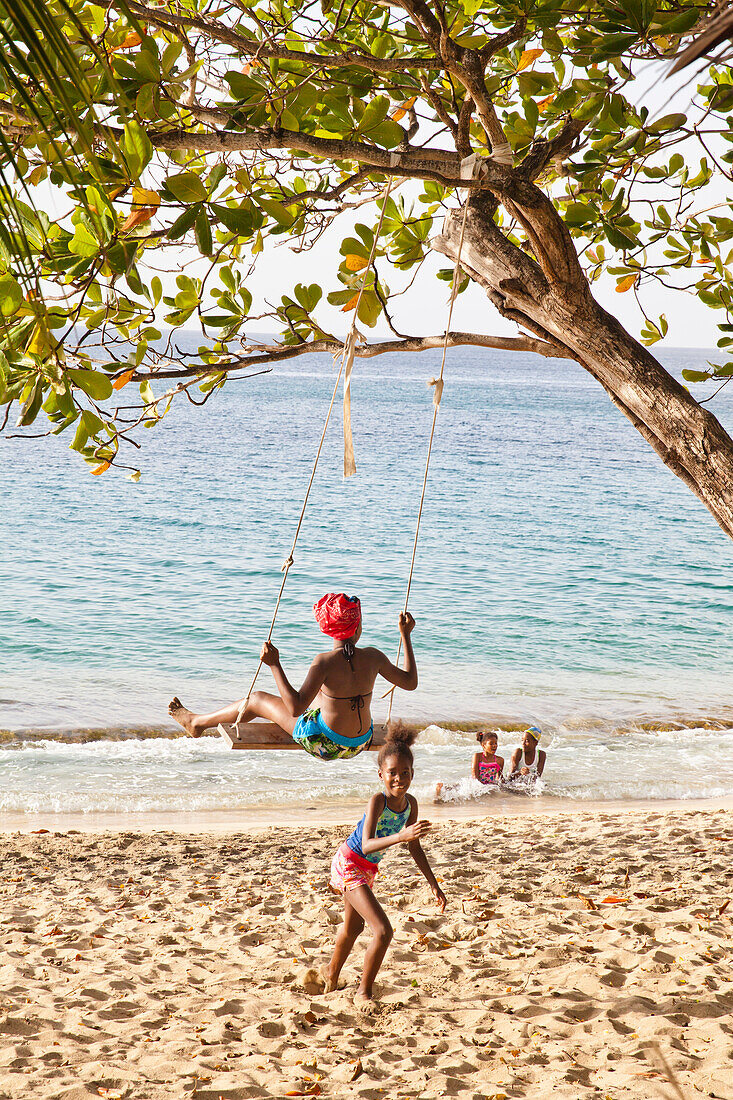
<point>564,578</point>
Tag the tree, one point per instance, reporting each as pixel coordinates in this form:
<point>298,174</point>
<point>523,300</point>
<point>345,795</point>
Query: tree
<point>230,124</point>
<point>716,32</point>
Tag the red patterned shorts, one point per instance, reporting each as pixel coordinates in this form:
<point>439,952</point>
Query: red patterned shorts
<point>349,870</point>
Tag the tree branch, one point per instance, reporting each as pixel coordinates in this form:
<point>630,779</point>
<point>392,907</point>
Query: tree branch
<point>542,152</point>
<point>468,67</point>
<point>438,107</point>
<point>438,164</point>
<point>251,46</point>
<point>279,353</point>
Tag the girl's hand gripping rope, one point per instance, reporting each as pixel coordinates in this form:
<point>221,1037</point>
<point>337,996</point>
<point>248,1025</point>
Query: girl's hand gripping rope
<point>270,655</point>
<point>406,624</point>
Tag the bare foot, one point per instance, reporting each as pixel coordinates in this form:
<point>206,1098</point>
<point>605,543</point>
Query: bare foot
<point>365,1003</point>
<point>184,717</point>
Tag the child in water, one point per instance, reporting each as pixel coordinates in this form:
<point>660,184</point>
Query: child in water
<point>390,818</point>
<point>528,761</point>
<point>486,766</point>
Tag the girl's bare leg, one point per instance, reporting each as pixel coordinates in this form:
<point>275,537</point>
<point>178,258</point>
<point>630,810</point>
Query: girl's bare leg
<point>367,906</point>
<point>261,705</point>
<point>346,937</point>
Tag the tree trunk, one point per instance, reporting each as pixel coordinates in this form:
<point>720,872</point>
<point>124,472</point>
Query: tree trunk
<point>554,302</point>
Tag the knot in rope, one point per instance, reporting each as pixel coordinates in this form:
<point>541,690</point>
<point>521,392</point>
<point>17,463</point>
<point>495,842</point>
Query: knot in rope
<point>290,560</point>
<point>438,383</point>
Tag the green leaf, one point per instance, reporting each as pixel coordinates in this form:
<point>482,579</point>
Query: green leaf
<point>183,223</point>
<point>669,122</point>
<point>11,295</point>
<point>369,308</point>
<point>216,175</point>
<point>146,393</point>
<point>388,133</point>
<point>237,219</point>
<point>89,425</point>
<point>203,234</point>
<point>147,64</point>
<point>137,148</point>
<point>277,211</point>
<point>244,87</point>
<point>678,24</point>
<point>696,375</point>
<point>30,407</point>
<point>187,187</point>
<point>308,296</point>
<point>93,383</point>
<point>578,213</point>
<point>83,243</point>
<point>374,113</point>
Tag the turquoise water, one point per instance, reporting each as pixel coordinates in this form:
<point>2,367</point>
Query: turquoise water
<point>564,576</point>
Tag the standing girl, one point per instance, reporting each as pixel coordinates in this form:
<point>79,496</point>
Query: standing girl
<point>390,818</point>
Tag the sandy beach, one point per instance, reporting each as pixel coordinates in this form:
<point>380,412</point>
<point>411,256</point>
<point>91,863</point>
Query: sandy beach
<point>165,964</point>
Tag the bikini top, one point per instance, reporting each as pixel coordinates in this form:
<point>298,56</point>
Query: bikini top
<point>358,702</point>
<point>388,824</point>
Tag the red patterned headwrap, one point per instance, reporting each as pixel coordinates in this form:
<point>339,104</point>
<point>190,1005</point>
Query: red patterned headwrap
<point>338,615</point>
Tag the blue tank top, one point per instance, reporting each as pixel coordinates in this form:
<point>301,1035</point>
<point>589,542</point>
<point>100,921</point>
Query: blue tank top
<point>388,824</point>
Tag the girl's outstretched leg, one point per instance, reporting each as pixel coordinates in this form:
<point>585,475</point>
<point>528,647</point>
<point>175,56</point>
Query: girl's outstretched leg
<point>261,705</point>
<point>346,937</point>
<point>367,906</point>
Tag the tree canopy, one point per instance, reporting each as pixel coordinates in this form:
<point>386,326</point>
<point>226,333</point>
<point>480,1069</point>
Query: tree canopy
<point>227,126</point>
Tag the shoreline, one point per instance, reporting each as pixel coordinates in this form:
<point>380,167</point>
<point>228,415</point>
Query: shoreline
<point>257,820</point>
<point>644,721</point>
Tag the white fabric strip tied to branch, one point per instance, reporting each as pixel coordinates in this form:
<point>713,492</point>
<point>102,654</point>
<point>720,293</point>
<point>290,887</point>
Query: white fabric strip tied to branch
<point>502,152</point>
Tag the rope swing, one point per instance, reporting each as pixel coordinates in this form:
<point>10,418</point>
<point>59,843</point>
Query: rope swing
<point>437,384</point>
<point>347,362</point>
<point>347,354</point>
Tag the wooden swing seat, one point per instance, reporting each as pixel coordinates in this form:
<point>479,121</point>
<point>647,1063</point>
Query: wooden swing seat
<point>268,735</point>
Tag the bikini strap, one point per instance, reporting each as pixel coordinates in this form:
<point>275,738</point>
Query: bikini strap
<point>358,702</point>
<point>364,695</point>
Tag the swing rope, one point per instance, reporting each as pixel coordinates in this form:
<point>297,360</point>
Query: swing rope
<point>437,396</point>
<point>347,358</point>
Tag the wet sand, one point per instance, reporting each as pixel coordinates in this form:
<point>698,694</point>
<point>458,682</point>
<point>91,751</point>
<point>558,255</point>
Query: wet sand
<point>156,964</point>
<point>295,814</point>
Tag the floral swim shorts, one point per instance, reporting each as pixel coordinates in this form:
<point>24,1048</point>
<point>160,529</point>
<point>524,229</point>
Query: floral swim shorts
<point>318,739</point>
<point>348,871</point>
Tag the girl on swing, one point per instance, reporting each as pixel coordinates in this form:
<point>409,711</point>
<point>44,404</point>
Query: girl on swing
<point>341,679</point>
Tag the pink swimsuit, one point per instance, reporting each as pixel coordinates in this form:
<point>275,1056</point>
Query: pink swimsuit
<point>488,771</point>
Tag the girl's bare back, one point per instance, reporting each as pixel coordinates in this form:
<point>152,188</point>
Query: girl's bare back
<point>345,697</point>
